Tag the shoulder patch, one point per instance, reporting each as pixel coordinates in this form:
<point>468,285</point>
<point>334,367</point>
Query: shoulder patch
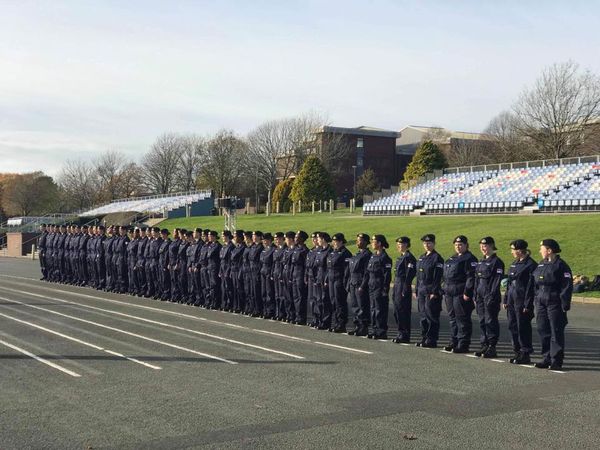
<point>474,264</point>
<point>410,265</point>
<point>567,275</point>
<point>499,270</point>
<point>441,266</point>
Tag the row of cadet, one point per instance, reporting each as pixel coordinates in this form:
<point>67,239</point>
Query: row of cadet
<point>277,277</point>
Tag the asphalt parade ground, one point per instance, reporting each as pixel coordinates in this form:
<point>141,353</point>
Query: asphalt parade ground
<point>81,369</point>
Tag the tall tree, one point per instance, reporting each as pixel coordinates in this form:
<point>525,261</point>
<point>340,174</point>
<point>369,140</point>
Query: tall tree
<point>190,159</point>
<point>223,163</point>
<point>78,183</point>
<point>161,164</point>
<point>313,182</point>
<point>556,112</point>
<point>428,158</point>
<point>110,168</point>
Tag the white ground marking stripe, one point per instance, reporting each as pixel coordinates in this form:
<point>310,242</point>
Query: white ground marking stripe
<point>168,325</point>
<point>129,333</point>
<point>40,359</point>
<point>188,316</point>
<point>79,341</point>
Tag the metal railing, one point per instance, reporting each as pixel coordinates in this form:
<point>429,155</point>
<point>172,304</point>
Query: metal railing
<point>522,164</point>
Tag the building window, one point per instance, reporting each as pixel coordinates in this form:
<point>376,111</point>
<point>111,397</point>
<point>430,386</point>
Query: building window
<point>359,143</point>
<point>359,160</point>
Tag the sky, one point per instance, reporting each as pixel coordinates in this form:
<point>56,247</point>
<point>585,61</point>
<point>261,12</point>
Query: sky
<point>78,78</point>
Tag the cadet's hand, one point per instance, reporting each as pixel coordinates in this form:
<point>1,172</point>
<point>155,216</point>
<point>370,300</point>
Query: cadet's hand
<point>432,296</point>
<point>504,306</point>
<point>525,310</point>
<point>360,289</point>
<point>466,298</point>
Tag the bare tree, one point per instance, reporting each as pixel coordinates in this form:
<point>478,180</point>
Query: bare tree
<point>556,112</point>
<point>161,164</point>
<point>278,148</point>
<point>509,144</point>
<point>223,163</point>
<point>469,152</point>
<point>191,150</point>
<point>78,183</point>
<point>109,169</point>
<point>131,180</point>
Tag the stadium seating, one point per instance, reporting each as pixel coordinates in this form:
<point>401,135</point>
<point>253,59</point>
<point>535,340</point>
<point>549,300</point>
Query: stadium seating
<point>153,205</point>
<point>547,187</point>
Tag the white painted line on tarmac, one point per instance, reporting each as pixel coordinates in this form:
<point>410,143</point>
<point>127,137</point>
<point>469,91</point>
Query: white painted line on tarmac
<point>79,341</point>
<point>40,359</point>
<point>129,333</point>
<point>343,348</point>
<point>168,325</point>
<point>472,356</point>
<point>189,316</point>
<point>557,371</point>
<point>498,360</point>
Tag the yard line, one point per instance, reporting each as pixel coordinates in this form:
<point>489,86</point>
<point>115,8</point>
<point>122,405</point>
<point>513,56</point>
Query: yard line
<point>188,316</point>
<point>79,341</point>
<point>342,347</point>
<point>168,325</point>
<point>40,359</point>
<point>129,333</point>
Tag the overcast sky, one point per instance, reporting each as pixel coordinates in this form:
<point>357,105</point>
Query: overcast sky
<point>82,77</point>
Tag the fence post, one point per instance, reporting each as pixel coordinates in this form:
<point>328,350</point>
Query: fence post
<point>33,251</point>
<point>330,206</point>
<point>299,206</point>
<point>268,209</point>
<point>313,207</point>
<point>277,207</point>
<point>293,208</point>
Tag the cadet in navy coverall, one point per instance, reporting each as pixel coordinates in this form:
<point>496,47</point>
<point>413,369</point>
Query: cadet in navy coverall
<point>405,271</point>
<point>488,276</point>
<point>378,276</point>
<point>518,301</point>
<point>359,299</point>
<point>459,283</point>
<point>430,268</point>
<point>553,281</point>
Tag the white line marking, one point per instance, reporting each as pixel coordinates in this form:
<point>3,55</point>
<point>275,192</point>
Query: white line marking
<point>498,360</point>
<point>168,325</point>
<point>189,316</point>
<point>79,341</point>
<point>472,356</point>
<point>557,371</point>
<point>343,348</point>
<point>40,359</point>
<point>118,330</point>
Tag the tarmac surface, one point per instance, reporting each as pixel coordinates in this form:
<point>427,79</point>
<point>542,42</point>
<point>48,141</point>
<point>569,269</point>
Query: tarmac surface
<point>86,369</point>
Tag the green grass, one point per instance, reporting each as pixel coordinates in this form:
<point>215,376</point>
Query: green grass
<point>578,234</point>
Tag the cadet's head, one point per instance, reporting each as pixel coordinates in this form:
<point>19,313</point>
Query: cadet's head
<point>213,236</point>
<point>226,236</point>
<point>362,240</point>
<point>257,237</point>
<point>403,244</point>
<point>461,244</point>
<point>43,227</point>
<point>205,234</point>
<point>102,229</point>
<point>279,238</point>
<point>176,233</point>
<point>164,233</point>
<point>487,245</point>
<point>549,248</point>
<point>182,232</point>
<point>198,233</point>
<point>338,240</point>
<point>136,233</point>
<point>323,239</point>
<point>379,242</point>
<point>123,230</point>
<point>301,237</point>
<point>189,235</point>
<point>267,239</point>
<point>518,248</point>
<point>148,232</point>
<point>290,237</point>
<point>238,236</point>
<point>248,237</point>
<point>315,238</point>
<point>428,242</point>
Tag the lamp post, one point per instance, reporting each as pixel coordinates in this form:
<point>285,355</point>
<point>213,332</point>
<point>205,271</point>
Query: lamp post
<point>354,183</point>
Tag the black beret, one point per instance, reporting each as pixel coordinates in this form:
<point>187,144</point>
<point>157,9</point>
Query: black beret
<point>315,234</point>
<point>303,235</point>
<point>198,230</point>
<point>488,240</point>
<point>239,233</point>
<point>403,240</point>
<point>339,237</point>
<point>85,227</point>
<point>381,238</point>
<point>268,236</point>
<point>428,238</point>
<point>189,234</point>
<point>102,227</point>
<point>183,231</point>
<point>213,233</point>
<point>279,234</point>
<point>460,238</point>
<point>258,233</point>
<point>290,234</point>
<point>143,228</point>
<point>206,231</point>
<point>248,233</point>
<point>363,236</point>
<point>156,229</point>
<point>519,244</point>
<point>551,244</point>
<point>325,236</point>
<point>227,234</point>
<point>165,231</point>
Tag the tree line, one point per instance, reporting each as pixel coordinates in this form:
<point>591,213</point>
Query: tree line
<point>557,117</point>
